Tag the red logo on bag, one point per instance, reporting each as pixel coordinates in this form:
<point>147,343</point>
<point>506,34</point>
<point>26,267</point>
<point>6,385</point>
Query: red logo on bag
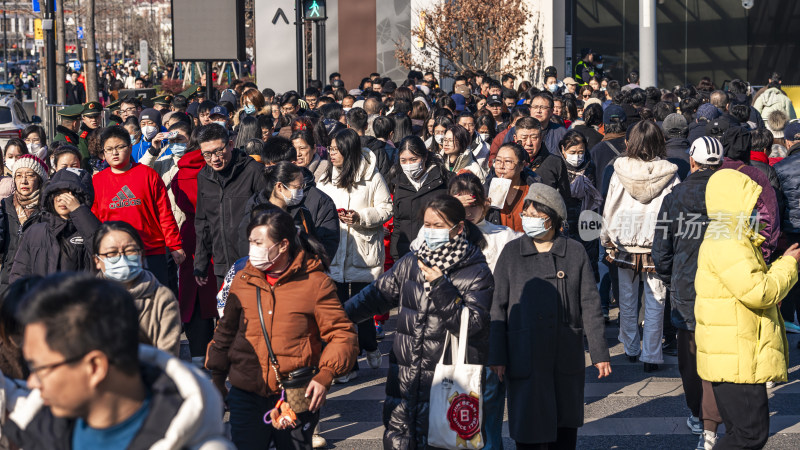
<point>464,416</point>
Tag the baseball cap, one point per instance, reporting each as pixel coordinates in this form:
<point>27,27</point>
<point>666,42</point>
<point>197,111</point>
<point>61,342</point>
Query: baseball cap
<point>706,150</point>
<point>614,112</point>
<point>459,99</point>
<point>792,131</point>
<point>218,111</point>
<point>570,80</point>
<point>493,99</point>
<point>550,71</point>
<point>675,121</point>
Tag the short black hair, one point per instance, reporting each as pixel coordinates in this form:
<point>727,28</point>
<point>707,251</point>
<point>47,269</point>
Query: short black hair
<point>382,126</point>
<point>212,132</point>
<point>115,131</point>
<point>205,106</point>
<point>83,313</point>
<point>278,149</point>
<point>357,119</point>
<point>334,75</point>
<point>179,102</point>
<point>65,149</point>
<point>633,77</point>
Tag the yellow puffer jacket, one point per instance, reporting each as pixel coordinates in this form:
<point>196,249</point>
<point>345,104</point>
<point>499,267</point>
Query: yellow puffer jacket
<point>740,333</point>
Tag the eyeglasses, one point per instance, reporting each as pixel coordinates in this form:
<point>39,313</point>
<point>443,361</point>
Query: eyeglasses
<point>522,215</point>
<point>37,371</point>
<point>447,141</point>
<point>505,163</point>
<point>528,138</point>
<point>128,110</point>
<point>289,110</point>
<point>131,254</point>
<point>219,152</point>
<point>118,149</point>
<point>539,108</point>
<point>333,150</point>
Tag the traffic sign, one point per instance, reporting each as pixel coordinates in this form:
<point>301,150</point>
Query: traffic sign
<point>314,10</point>
<point>80,32</point>
<point>38,9</point>
<point>75,65</point>
<point>38,32</point>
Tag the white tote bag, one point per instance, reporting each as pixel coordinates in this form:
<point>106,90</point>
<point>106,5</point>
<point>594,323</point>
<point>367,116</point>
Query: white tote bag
<point>456,408</point>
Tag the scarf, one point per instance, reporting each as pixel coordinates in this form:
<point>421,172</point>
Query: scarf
<point>444,257</point>
<point>581,187</point>
<point>26,204</point>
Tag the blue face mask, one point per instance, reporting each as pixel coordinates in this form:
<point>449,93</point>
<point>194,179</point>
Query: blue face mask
<point>125,269</point>
<point>177,149</point>
<point>221,123</point>
<point>436,237</point>
<point>552,87</point>
<point>534,226</point>
<point>249,109</point>
<point>133,139</point>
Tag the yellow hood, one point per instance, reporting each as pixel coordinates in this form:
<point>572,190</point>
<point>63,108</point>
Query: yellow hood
<point>731,197</point>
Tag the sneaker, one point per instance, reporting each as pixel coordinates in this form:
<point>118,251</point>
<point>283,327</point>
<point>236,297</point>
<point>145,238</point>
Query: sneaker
<point>374,359</point>
<point>318,441</point>
<point>346,378</point>
<point>695,424</point>
<point>770,384</point>
<point>791,327</point>
<point>379,334</point>
<point>707,440</point>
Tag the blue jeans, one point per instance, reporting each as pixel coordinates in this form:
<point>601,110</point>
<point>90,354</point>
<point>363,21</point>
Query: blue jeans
<point>494,402</point>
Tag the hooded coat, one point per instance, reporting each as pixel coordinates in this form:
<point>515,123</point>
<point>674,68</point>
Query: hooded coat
<point>56,245</point>
<point>634,198</point>
<point>359,257</point>
<point>774,99</point>
<point>185,411</point>
<point>10,234</point>
<point>740,332</point>
<point>423,321</point>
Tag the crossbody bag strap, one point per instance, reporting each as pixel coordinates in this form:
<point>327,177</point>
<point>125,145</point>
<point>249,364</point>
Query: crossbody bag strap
<point>613,149</point>
<point>272,359</point>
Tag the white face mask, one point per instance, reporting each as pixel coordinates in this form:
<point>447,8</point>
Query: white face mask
<point>221,123</point>
<point>296,196</point>
<point>552,87</point>
<point>484,137</point>
<point>10,163</point>
<point>38,149</point>
<point>438,138</point>
<point>413,170</point>
<point>149,131</point>
<point>599,66</point>
<point>259,257</point>
<point>574,160</point>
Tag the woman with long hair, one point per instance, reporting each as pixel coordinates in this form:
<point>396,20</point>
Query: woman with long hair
<point>641,180</point>
<point>305,144</point>
<point>282,301</point>
<point>430,286</point>
<point>364,205</point>
<point>456,153</point>
<point>247,130</point>
<point>440,125</point>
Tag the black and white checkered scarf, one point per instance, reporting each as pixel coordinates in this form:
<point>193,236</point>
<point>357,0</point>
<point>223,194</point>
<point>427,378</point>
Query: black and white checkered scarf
<point>443,257</point>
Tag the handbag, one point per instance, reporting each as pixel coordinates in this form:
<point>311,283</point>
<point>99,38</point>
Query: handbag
<point>296,382</point>
<point>456,400</point>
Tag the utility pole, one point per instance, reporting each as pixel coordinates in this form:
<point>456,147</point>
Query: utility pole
<point>91,55</point>
<point>298,17</point>
<point>648,64</point>
<point>5,44</point>
<point>50,45</point>
<point>61,69</point>
<point>77,16</point>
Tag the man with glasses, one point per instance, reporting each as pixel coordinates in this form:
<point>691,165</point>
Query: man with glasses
<point>130,107</point>
<point>228,180</point>
<point>551,168</point>
<point>552,132</point>
<point>93,386</point>
<point>134,193</point>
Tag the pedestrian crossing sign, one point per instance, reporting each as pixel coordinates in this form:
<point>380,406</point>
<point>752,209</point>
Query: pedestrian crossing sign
<point>314,10</point>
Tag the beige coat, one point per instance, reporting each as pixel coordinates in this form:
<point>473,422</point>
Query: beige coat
<point>159,318</point>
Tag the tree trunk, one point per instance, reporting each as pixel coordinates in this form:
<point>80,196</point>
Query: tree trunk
<point>91,54</point>
<point>61,70</point>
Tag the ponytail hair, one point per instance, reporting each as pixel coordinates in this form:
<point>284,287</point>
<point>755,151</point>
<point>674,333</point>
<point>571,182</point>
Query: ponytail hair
<point>280,225</point>
<point>283,172</point>
<point>453,212</point>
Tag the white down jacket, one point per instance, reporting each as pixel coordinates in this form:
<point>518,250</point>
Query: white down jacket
<point>634,198</point>
<point>360,255</point>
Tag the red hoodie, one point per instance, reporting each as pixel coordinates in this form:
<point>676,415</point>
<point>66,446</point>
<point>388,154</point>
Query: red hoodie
<point>140,198</point>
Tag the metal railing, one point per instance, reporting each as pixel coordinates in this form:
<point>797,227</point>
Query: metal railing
<point>47,112</point>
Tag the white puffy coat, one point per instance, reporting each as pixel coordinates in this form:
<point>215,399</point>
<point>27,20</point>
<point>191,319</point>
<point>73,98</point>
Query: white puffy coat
<point>360,255</point>
<point>634,198</point>
<point>167,167</point>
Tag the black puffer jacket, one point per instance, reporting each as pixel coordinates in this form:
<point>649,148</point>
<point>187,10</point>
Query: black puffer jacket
<point>683,220</point>
<point>10,235</point>
<point>221,200</point>
<point>421,328</point>
<point>383,161</point>
<point>407,207</point>
<point>677,154</point>
<point>788,170</point>
<point>54,244</point>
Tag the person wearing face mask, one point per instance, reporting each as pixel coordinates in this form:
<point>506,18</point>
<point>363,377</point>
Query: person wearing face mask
<point>219,115</point>
<point>20,210</point>
<point>282,295</point>
<point>119,256</point>
<point>36,139</point>
<point>511,163</point>
<point>163,158</point>
<point>15,147</point>
<point>583,190</point>
<point>416,178</point>
<point>364,204</point>
<point>61,241</point>
<point>150,126</point>
<point>430,286</point>
<point>440,126</point>
<point>536,348</point>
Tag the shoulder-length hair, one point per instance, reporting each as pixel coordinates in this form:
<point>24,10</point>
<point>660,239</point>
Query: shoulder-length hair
<point>646,141</point>
<point>349,145</point>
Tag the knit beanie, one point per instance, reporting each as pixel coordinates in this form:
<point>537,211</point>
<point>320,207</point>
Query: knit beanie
<point>31,162</point>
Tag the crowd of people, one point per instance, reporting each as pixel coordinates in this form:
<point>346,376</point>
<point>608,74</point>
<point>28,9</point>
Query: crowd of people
<point>279,231</point>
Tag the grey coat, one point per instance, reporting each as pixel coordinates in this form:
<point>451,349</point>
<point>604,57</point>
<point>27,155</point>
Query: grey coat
<point>543,303</point>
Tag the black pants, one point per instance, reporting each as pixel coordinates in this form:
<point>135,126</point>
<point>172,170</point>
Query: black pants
<point>172,274</point>
<point>367,339</point>
<point>567,439</point>
<point>199,332</point>
<point>745,413</point>
<point>687,366</point>
<point>249,432</point>
<point>157,265</point>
